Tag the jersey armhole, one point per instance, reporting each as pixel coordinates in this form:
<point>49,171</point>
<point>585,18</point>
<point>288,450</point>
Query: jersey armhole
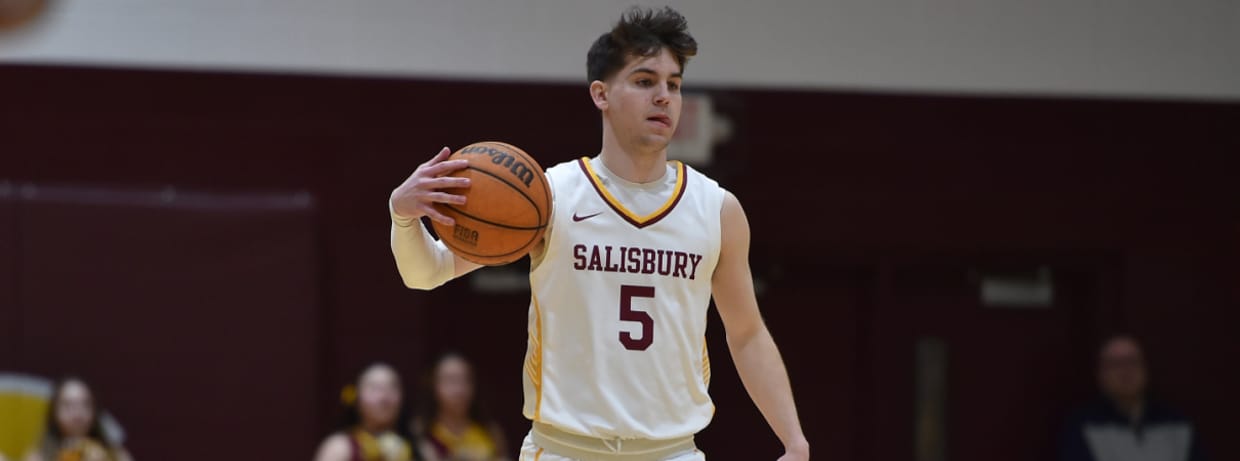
<point>536,260</point>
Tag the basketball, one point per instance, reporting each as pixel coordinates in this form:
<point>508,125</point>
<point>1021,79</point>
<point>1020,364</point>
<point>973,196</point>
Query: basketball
<point>16,14</point>
<point>507,206</point>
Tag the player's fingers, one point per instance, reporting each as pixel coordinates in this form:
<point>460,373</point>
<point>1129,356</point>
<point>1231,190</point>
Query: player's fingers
<point>438,217</point>
<point>445,182</point>
<point>441,156</point>
<point>443,197</point>
<point>444,167</point>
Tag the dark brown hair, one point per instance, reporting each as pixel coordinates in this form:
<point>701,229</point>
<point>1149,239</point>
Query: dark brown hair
<point>640,32</point>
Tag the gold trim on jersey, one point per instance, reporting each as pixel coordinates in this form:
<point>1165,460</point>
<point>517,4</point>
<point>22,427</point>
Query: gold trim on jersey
<point>628,215</point>
<point>533,365</point>
<point>705,364</point>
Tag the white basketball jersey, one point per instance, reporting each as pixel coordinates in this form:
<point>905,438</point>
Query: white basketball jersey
<point>617,322</point>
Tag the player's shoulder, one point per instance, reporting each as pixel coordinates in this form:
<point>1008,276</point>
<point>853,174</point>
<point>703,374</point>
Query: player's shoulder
<point>707,190</point>
<point>697,176</point>
<point>570,168</point>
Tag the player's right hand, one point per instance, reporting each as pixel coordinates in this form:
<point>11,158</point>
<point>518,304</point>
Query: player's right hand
<point>415,197</point>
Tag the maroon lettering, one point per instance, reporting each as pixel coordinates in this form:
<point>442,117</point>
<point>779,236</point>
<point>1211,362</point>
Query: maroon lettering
<point>630,260</point>
<point>695,259</point>
<point>681,261</point>
<point>647,261</point>
<point>635,262</point>
<point>595,263</point>
<point>608,266</point>
<point>627,314</point>
<point>579,257</point>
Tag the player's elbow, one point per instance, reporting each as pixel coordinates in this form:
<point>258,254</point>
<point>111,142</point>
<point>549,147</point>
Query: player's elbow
<point>418,280</point>
<point>418,283</point>
<point>742,335</point>
<point>413,285</point>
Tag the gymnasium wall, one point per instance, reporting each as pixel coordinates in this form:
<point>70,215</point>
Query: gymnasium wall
<point>1143,48</point>
<point>871,216</point>
<point>182,309</point>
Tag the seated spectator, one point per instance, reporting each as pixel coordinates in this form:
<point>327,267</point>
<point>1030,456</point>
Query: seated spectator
<point>1125,424</point>
<point>452,425</point>
<point>375,422</point>
<point>74,431</point>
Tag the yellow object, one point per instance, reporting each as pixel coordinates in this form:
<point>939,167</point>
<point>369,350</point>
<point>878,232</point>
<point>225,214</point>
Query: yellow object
<point>85,450</point>
<point>475,444</point>
<point>348,395</point>
<point>386,447</point>
<point>533,359</point>
<point>23,412</point>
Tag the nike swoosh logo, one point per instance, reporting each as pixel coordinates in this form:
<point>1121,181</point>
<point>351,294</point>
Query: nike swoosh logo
<point>583,218</point>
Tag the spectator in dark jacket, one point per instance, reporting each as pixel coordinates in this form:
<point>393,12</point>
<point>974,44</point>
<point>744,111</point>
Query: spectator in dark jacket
<point>1125,424</point>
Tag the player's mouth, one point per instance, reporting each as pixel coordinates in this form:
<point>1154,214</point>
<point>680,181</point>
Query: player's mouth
<point>660,120</point>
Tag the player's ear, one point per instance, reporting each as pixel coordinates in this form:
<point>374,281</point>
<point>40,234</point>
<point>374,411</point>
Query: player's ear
<point>598,92</point>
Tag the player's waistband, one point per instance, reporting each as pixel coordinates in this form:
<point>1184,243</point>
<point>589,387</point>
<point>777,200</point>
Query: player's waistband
<point>586,447</point>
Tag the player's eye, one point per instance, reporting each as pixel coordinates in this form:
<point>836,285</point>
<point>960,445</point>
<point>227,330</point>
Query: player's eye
<point>645,82</point>
<point>673,86</point>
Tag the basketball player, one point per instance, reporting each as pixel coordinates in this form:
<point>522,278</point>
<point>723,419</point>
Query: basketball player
<point>616,363</point>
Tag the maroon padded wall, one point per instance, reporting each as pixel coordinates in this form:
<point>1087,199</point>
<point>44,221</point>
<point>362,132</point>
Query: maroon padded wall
<point>10,319</point>
<point>183,310</point>
<point>847,194</point>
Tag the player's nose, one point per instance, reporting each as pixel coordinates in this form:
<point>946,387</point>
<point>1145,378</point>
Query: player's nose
<point>662,97</point>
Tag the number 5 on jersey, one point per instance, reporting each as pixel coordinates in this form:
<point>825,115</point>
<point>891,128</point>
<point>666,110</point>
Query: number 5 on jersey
<point>627,314</point>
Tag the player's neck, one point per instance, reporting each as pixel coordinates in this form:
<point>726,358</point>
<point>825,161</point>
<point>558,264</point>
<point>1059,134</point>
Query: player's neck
<point>631,164</point>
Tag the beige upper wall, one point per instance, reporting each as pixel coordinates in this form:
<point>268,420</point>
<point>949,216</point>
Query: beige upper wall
<point>1144,48</point>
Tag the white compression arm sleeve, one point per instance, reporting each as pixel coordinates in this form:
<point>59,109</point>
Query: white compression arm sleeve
<point>424,263</point>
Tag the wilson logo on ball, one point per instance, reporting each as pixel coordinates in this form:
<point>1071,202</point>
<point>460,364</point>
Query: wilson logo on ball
<point>507,207</point>
<point>499,157</point>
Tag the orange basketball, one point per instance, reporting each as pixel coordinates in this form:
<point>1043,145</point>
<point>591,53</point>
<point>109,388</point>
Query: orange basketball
<point>507,206</point>
<point>16,14</point>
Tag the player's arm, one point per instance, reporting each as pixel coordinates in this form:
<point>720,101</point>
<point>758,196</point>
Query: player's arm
<point>425,263</point>
<point>753,350</point>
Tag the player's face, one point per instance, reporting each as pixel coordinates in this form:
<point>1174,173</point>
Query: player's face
<point>75,410</point>
<point>643,101</point>
<point>454,385</point>
<point>378,396</point>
